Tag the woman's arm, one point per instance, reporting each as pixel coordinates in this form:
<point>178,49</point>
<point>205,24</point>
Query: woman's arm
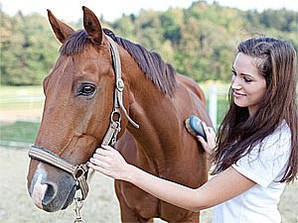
<point>220,188</point>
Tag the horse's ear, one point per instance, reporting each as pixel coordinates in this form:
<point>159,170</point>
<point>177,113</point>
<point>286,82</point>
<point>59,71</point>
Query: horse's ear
<point>92,26</point>
<point>61,30</point>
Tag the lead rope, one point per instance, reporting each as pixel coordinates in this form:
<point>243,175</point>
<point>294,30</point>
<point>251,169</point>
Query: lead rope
<point>78,205</point>
<point>77,209</point>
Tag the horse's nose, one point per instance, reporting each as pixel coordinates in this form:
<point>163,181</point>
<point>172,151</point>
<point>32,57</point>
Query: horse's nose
<point>59,194</point>
<point>43,193</point>
<point>50,193</point>
<point>52,190</point>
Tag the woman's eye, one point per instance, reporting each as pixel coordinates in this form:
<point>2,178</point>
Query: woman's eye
<point>86,89</point>
<point>247,79</point>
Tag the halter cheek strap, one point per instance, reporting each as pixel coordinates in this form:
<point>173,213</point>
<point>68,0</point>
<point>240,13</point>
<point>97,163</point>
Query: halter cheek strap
<point>114,126</point>
<point>118,98</point>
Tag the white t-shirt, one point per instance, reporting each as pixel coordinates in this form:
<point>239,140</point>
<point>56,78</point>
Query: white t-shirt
<point>265,168</point>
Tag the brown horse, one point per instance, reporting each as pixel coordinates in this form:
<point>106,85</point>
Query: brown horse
<point>79,99</point>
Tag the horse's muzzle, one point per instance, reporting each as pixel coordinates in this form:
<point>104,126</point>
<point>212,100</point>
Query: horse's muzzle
<point>52,193</point>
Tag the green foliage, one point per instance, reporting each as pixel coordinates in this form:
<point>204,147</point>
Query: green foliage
<point>26,52</point>
<point>199,42</point>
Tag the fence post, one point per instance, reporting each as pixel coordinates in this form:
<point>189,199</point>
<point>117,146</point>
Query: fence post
<point>213,104</point>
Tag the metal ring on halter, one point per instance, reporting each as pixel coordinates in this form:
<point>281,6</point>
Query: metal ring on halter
<point>117,112</point>
<point>79,169</point>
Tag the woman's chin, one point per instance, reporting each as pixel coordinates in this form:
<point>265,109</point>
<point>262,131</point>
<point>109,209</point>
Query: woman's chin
<point>240,103</point>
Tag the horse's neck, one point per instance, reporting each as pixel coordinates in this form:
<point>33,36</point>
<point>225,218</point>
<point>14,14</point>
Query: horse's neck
<point>156,113</point>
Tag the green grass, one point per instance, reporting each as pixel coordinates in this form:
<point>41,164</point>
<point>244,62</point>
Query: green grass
<point>19,132</point>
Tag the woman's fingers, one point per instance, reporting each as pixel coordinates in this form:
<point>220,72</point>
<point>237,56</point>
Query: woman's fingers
<point>201,140</point>
<point>102,157</point>
<point>210,137</point>
<point>102,151</point>
<point>110,162</point>
<point>106,147</point>
<point>208,130</point>
<point>204,126</point>
<point>99,169</point>
<point>97,160</point>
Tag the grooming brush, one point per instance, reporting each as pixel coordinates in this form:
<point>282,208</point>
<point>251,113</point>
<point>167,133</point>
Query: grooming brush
<point>195,127</point>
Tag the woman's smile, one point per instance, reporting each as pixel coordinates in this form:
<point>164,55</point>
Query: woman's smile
<point>238,94</point>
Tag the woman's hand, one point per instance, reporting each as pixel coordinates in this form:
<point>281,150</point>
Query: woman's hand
<point>210,135</point>
<point>109,162</point>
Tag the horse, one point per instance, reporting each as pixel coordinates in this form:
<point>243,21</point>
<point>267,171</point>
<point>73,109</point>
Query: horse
<point>79,99</point>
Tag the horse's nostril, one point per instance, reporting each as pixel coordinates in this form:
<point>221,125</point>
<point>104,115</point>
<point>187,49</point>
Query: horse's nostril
<point>49,195</point>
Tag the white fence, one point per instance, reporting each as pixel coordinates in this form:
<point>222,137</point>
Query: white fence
<point>213,92</point>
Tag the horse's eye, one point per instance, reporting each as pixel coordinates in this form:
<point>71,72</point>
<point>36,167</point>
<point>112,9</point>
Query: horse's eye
<point>86,89</point>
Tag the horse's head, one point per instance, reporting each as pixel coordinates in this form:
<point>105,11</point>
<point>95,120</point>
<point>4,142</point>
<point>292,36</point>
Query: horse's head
<point>79,95</point>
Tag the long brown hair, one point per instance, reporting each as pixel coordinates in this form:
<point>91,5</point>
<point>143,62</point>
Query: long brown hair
<point>239,132</point>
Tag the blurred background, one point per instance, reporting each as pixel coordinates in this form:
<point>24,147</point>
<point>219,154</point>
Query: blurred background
<point>198,38</point>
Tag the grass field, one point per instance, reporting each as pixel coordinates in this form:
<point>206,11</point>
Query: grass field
<point>19,131</point>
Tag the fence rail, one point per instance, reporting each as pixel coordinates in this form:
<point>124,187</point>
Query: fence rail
<point>213,100</point>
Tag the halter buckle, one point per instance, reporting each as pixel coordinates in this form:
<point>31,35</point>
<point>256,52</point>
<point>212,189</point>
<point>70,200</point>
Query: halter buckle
<point>120,85</point>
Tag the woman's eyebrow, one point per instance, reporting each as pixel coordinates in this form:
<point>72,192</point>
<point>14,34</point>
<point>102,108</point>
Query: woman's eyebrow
<point>246,74</point>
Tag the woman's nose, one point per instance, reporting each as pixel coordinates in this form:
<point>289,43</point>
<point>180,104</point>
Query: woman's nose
<point>235,84</point>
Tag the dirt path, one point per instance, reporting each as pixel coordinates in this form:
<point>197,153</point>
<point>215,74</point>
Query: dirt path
<point>100,206</point>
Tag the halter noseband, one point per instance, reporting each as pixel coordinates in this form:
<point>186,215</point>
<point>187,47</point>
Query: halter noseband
<point>80,172</point>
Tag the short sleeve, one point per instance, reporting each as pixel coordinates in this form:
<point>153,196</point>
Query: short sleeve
<point>267,160</point>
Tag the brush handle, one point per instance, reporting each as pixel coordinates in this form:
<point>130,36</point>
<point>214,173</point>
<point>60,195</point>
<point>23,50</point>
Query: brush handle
<point>196,125</point>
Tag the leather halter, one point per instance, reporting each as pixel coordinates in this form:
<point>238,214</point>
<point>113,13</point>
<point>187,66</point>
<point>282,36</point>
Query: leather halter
<point>79,172</point>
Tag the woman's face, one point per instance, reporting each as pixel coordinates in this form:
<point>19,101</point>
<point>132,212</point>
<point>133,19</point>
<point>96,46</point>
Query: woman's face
<point>247,84</point>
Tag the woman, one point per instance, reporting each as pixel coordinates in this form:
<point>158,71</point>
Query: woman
<point>256,149</point>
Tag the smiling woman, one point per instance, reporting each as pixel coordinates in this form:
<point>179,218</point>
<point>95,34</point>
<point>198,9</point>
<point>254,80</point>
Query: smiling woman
<point>248,85</point>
